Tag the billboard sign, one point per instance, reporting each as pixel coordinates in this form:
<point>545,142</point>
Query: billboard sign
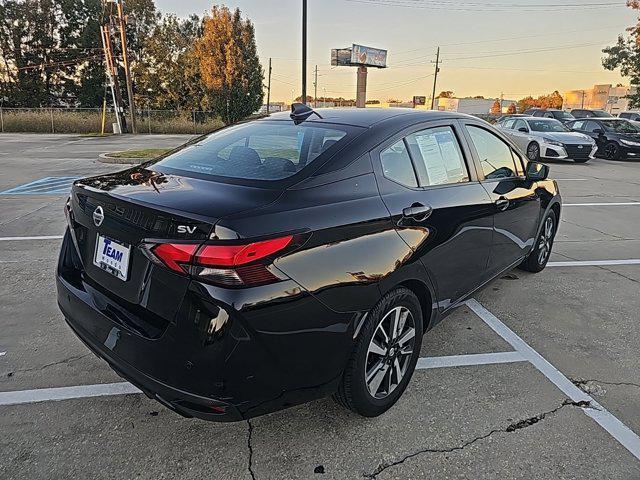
<point>341,57</point>
<point>368,56</point>
<point>419,100</point>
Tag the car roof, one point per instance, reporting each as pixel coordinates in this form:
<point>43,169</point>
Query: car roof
<point>366,117</point>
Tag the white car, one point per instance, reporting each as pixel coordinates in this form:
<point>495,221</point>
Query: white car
<point>548,138</point>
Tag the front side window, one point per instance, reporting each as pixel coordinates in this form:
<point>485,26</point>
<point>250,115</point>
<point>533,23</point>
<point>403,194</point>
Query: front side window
<point>521,124</point>
<point>397,166</point>
<point>437,156</point>
<point>495,155</point>
<point>256,150</point>
<point>592,127</point>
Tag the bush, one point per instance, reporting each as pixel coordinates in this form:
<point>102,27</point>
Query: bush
<point>87,121</point>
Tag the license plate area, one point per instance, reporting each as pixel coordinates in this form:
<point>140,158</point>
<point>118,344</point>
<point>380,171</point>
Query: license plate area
<point>112,256</point>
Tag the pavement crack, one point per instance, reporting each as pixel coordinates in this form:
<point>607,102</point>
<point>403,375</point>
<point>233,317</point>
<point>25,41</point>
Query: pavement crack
<point>575,224</point>
<point>582,383</point>
<point>47,365</point>
<point>512,427</point>
<point>250,447</point>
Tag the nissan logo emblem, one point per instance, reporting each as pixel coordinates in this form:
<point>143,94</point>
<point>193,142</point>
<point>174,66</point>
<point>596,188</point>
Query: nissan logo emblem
<point>580,147</point>
<point>98,216</point>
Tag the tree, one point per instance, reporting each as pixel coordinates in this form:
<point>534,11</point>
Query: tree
<point>167,76</point>
<point>229,64</point>
<point>512,109</point>
<point>553,100</point>
<point>496,108</point>
<point>445,94</point>
<point>625,55</point>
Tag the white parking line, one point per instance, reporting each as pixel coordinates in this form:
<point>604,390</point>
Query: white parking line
<point>125,388</point>
<point>19,239</point>
<point>469,360</point>
<point>523,352</point>
<point>594,263</point>
<point>597,412</point>
<point>606,204</point>
<point>66,393</point>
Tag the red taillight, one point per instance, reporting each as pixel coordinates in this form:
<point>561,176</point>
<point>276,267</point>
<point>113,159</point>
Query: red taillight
<point>234,265</point>
<point>176,256</point>
<point>235,255</point>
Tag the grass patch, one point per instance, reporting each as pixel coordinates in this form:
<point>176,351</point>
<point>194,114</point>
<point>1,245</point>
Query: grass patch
<point>146,153</point>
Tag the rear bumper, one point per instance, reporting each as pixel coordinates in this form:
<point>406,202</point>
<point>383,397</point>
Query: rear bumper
<point>185,403</point>
<point>227,356</point>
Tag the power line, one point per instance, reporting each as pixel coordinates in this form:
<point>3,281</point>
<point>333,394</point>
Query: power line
<point>513,37</point>
<point>64,63</point>
<point>482,7</point>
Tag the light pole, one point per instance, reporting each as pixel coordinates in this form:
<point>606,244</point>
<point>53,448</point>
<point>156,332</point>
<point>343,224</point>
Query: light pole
<point>304,51</point>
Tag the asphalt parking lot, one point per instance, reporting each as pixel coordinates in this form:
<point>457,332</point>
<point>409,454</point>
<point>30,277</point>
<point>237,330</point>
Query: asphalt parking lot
<point>537,377</point>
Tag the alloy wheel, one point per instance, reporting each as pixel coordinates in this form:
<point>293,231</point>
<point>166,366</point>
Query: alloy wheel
<point>610,151</point>
<point>533,151</point>
<point>389,352</point>
<point>546,239</point>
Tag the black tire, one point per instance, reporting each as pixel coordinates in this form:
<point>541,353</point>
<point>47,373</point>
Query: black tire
<point>539,256</point>
<point>533,152</point>
<point>611,151</point>
<point>354,391</point>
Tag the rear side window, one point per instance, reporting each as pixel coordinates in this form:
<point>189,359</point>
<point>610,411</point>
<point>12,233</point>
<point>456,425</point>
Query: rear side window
<point>258,150</point>
<point>495,155</point>
<point>437,156</point>
<point>397,166</point>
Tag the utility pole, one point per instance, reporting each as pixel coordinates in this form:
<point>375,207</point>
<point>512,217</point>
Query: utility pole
<point>127,72</point>
<point>435,78</point>
<point>315,89</point>
<point>269,87</point>
<point>112,75</point>
<point>304,51</point>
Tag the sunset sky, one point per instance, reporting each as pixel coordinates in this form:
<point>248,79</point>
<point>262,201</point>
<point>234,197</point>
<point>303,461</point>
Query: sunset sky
<point>488,47</point>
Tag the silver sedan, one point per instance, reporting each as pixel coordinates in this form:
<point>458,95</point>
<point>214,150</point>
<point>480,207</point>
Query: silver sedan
<point>546,138</point>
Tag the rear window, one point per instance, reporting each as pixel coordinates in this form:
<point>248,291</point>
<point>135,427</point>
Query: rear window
<point>258,150</point>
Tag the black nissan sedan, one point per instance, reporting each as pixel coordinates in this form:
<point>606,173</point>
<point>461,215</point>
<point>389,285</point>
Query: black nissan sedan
<point>287,258</point>
<point>616,138</point>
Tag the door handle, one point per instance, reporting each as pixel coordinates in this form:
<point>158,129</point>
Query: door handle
<point>502,204</point>
<point>417,211</point>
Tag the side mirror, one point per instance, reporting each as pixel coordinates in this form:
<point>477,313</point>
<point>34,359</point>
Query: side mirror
<point>523,130</point>
<point>537,172</point>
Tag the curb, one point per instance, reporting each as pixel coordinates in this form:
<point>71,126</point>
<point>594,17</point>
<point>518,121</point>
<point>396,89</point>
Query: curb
<point>105,158</point>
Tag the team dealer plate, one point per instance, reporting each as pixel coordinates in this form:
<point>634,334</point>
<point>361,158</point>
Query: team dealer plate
<point>112,256</point>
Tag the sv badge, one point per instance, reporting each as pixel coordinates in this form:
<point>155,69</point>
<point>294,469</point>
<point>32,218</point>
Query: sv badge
<point>186,229</point>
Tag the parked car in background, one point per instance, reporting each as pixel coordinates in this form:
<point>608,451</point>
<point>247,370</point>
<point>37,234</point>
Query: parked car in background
<point>549,138</point>
<point>284,259</point>
<point>617,138</point>
<point>559,115</point>
<point>586,113</point>
<point>633,116</point>
<point>504,118</point>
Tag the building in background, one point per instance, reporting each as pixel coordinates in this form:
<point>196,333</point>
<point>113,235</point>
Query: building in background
<point>600,97</point>
<point>273,108</point>
<point>471,106</point>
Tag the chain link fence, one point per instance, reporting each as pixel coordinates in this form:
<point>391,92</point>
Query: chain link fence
<point>89,121</point>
